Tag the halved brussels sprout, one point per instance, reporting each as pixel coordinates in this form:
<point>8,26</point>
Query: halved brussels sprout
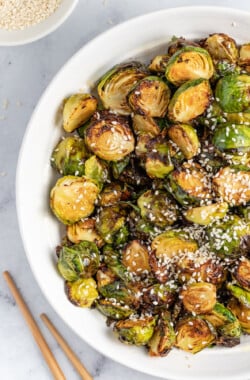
<point>242,295</point>
<point>242,273</point>
<point>242,313</point>
<point>199,297</point>
<point>171,243</point>
<point>110,220</point>
<point>190,100</point>
<point>69,156</point>
<point>159,63</point>
<point>145,125</point>
<point>232,186</point>
<point>150,97</point>
<point>112,194</point>
<point>221,46</point>
<point>79,260</point>
<point>189,184</point>
<point>238,117</point>
<point>159,296</point>
<point>220,315</point>
<point>110,137</point>
<point>118,291</point>
<point>84,230</point>
<point>189,63</point>
<point>193,334</point>
<point>185,137</point>
<point>73,198</point>
<point>135,257</point>
<point>115,85</point>
<point>77,110</point>
<point>135,331</point>
<point>205,215</point>
<point>105,276</point>
<point>226,236</point>
<point>244,58</point>
<point>232,138</point>
<point>113,310</point>
<point>82,292</point>
<point>164,337</point>
<point>233,93</point>
<point>157,208</point>
<point>96,170</point>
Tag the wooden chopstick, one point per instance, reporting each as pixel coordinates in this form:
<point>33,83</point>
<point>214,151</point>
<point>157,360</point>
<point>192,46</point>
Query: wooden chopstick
<point>48,355</point>
<point>64,345</point>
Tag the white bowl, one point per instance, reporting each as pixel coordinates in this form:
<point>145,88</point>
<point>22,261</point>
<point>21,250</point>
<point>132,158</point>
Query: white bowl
<point>40,230</point>
<point>35,32</point>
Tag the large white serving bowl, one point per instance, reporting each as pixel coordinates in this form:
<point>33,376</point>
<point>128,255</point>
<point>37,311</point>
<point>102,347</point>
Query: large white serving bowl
<point>42,29</point>
<point>142,36</point>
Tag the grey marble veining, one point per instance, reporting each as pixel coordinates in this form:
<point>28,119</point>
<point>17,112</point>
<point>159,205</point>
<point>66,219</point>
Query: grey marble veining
<point>25,72</point>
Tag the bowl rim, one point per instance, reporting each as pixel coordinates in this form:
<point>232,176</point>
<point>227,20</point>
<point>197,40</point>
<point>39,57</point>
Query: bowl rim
<point>135,366</point>
<point>37,34</point>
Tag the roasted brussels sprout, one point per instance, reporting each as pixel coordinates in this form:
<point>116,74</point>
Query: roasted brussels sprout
<point>135,257</point>
<point>159,296</point>
<point>185,137</point>
<point>242,313</point>
<point>190,100</point>
<point>145,125</point>
<point>199,297</point>
<point>189,185</point>
<point>205,215</point>
<point>113,261</point>
<point>96,170</point>
<point>119,166</point>
<point>163,338</point>
<point>82,292</point>
<point>232,186</point>
<point>189,63</point>
<point>225,67</point>
<point>244,58</point>
<point>73,198</point>
<point>113,310</point>
<point>221,46</point>
<point>69,156</point>
<point>242,295</point>
<point>159,63</point>
<point>193,334</point>
<point>178,43</point>
<point>135,331</point>
<point>105,276</point>
<point>118,291</point>
<point>232,138</point>
<point>242,273</point>
<point>171,243</point>
<point>110,220</point>
<point>79,260</point>
<point>115,85</point>
<point>110,137</point>
<point>226,236</point>
<point>150,97</point>
<point>112,194</point>
<point>233,93</point>
<point>77,110</point>
<point>84,230</point>
<point>156,207</point>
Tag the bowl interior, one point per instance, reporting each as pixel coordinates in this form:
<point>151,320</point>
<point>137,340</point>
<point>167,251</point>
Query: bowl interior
<point>35,178</point>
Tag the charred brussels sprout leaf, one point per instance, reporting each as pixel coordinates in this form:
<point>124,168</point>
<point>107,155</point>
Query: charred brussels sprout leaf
<point>171,243</point>
<point>96,170</point>
<point>242,313</point>
<point>138,331</point>
<point>185,137</point>
<point>73,198</point>
<point>145,125</point>
<point>69,156</point>
<point>242,273</point>
<point>110,220</point>
<point>233,93</point>
<point>119,166</point>
<point>159,296</point>
<point>189,63</point>
<point>113,193</point>
<point>159,63</point>
<point>77,110</point>
<point>110,137</point>
<point>178,43</point>
<point>205,215</point>
<point>193,334</point>
<point>156,207</point>
<point>79,260</point>
<point>242,295</point>
<point>199,297</point>
<point>82,292</point>
<point>150,97</point>
<point>115,85</point>
<point>113,310</point>
<point>84,230</point>
<point>135,258</point>
<point>164,337</point>
<point>221,46</point>
<point>190,100</point>
<point>232,138</point>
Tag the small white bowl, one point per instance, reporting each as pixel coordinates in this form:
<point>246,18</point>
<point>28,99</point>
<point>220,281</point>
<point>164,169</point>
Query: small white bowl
<point>42,29</point>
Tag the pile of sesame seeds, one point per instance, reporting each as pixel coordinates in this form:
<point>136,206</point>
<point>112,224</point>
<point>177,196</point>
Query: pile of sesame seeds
<point>21,14</point>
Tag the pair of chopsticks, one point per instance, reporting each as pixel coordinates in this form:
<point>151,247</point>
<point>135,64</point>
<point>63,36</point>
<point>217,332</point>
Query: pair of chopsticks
<point>40,340</point>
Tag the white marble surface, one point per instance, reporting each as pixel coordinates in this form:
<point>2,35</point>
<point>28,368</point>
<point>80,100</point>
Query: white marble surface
<point>24,74</point>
